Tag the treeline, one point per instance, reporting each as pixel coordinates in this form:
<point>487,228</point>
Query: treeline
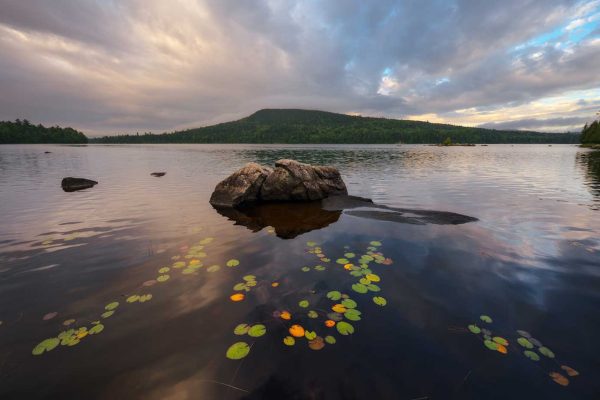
<point>307,126</point>
<point>25,132</point>
<point>591,133</point>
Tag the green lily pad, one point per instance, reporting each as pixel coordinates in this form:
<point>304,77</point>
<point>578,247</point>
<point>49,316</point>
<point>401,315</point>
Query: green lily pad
<point>474,329</point>
<point>500,340</point>
<point>97,328</point>
<point>365,259</point>
<point>213,268</point>
<point>233,263</point>
<point>525,343</point>
<point>364,281</point>
<point>107,314</point>
<point>356,273</point>
<point>330,339</point>
<point>349,255</point>
<point>112,306</point>
<point>335,316</point>
<point>375,243</point>
<point>352,314</point>
<point>349,303</point>
<point>531,355</point>
<point>380,301</point>
<point>237,351</point>
<point>334,295</point>
<point>305,269</point>
<point>546,352</point>
<point>164,270</point>
<point>241,329</point>
<point>257,330</point>
<point>289,341</point>
<point>360,288</point>
<point>320,268</point>
<point>303,303</point>
<point>342,261</point>
<point>344,328</point>
<point>525,334</point>
<point>310,335</point>
<point>163,278</point>
<point>490,345</point>
<point>311,244</point>
<point>179,264</point>
<point>373,288</point>
<point>145,297</point>
<point>133,298</point>
<point>312,314</point>
<point>239,286</point>
<point>45,345</point>
<point>486,318</point>
<point>251,283</point>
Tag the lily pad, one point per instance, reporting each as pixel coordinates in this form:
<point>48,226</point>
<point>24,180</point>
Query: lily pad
<point>525,343</point>
<point>310,335</point>
<point>486,318</point>
<point>360,288</point>
<point>49,316</point>
<point>320,268</point>
<point>373,277</point>
<point>546,352</point>
<point>559,378</point>
<point>233,263</point>
<point>237,297</point>
<point>344,328</point>
<point>490,345</point>
<point>305,269</point>
<point>375,243</point>
<point>164,270</point>
<point>311,244</point>
<point>474,329</point>
<point>239,286</point>
<point>352,315</point>
<point>145,297</point>
<point>531,355</point>
<point>342,261</point>
<point>237,351</point>
<point>296,330</point>
<point>380,301</point>
<point>525,334</point>
<point>241,329</point>
<point>312,314</point>
<point>107,314</point>
<point>316,344</point>
<point>289,341</point>
<point>112,306</point>
<point>69,322</point>
<point>97,328</point>
<point>349,303</point>
<point>330,339</point>
<point>45,345</point>
<point>349,255</point>
<point>213,268</point>
<point>335,316</point>
<point>163,278</point>
<point>303,303</point>
<point>338,308</point>
<point>500,340</point>
<point>570,371</point>
<point>373,288</point>
<point>364,281</point>
<point>133,298</point>
<point>257,330</point>
<point>179,264</point>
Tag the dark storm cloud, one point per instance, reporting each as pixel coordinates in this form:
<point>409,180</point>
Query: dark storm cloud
<point>124,66</point>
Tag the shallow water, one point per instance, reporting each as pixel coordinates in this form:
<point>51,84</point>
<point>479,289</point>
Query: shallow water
<point>531,262</point>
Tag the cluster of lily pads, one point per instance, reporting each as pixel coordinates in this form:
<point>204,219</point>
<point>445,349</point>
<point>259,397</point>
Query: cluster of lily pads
<point>530,347</point>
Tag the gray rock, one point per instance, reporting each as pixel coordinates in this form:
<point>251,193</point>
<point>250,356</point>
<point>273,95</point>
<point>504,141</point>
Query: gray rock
<point>70,184</point>
<point>243,186</point>
<point>289,181</point>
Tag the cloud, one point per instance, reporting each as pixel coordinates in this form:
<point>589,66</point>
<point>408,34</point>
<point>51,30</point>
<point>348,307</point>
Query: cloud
<point>149,65</point>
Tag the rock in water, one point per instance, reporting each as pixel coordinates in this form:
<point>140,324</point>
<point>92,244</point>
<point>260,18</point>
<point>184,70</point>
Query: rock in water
<point>243,186</point>
<point>70,184</point>
<point>158,174</point>
<point>289,181</point>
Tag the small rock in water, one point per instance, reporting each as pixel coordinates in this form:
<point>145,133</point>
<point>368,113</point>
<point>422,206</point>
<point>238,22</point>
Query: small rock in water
<point>47,152</point>
<point>70,184</point>
<point>158,174</point>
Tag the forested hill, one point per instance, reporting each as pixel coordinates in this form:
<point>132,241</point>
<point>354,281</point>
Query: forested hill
<point>24,132</point>
<point>307,126</point>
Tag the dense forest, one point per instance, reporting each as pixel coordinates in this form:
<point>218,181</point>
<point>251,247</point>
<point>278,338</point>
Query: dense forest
<point>591,133</point>
<point>307,126</point>
<point>24,132</point>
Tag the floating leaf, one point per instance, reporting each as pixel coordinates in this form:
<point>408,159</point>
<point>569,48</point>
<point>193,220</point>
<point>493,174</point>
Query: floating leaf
<point>330,323</point>
<point>163,278</point>
<point>474,329</point>
<point>502,349</point>
<point>330,339</point>
<point>349,255</point>
<point>490,345</point>
<point>365,259</point>
<point>237,297</point>
<point>189,271</point>
<point>352,315</point>
<point>531,355</point>
<point>500,340</point>
<point>305,269</point>
<point>49,316</point>
<point>373,277</point>
<point>206,240</point>
<point>296,330</point>
<point>559,378</point>
<point>380,301</point>
<point>364,281</point>
<point>344,328</point>
<point>342,261</point>
<point>570,371</point>
<point>233,263</point>
<point>348,267</point>
<point>303,303</point>
<point>338,308</point>
<point>97,328</point>
<point>289,341</point>
<point>241,329</point>
<point>145,297</point>
<point>133,298</point>
<point>237,351</point>
<point>546,352</point>
<point>286,315</point>
<point>107,314</point>
<point>349,303</point>
<point>360,288</point>
<point>316,344</point>
<point>275,284</point>
<point>68,322</point>
<point>45,345</point>
<point>525,334</point>
<point>257,330</point>
<point>536,342</point>
<point>312,314</point>
<point>311,244</point>
<point>179,264</point>
<point>334,295</point>
<point>310,335</point>
<point>192,263</point>
<point>213,268</point>
<point>150,282</point>
<point>249,278</point>
<point>239,286</point>
<point>164,270</point>
<point>373,288</point>
<point>375,243</point>
<point>486,318</point>
<point>525,343</point>
<point>335,316</point>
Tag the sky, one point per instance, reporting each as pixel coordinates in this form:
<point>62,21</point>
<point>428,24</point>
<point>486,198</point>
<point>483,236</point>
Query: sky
<point>108,66</point>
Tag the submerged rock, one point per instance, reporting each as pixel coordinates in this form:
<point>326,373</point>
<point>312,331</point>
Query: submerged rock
<point>158,174</point>
<point>70,184</point>
<point>289,181</point>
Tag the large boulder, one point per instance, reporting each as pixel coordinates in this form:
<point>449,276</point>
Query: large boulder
<point>289,181</point>
<point>243,186</point>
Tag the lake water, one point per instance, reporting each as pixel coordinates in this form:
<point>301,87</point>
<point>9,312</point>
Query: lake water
<point>531,263</point>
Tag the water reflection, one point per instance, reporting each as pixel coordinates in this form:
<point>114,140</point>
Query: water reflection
<point>589,162</point>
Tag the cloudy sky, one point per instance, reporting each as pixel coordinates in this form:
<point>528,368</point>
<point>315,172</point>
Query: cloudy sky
<point>110,66</point>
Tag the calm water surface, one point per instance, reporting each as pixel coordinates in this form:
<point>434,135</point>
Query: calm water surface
<point>531,262</point>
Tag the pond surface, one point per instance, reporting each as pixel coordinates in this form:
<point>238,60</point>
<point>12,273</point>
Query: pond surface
<point>123,291</point>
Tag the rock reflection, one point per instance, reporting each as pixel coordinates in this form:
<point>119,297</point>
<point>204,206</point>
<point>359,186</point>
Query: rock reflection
<point>288,219</point>
<point>590,164</point>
